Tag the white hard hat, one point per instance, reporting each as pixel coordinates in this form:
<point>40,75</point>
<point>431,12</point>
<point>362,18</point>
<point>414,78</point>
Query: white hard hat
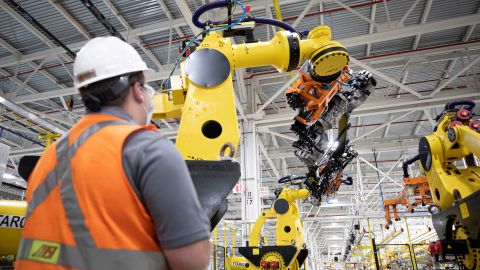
<point>106,57</point>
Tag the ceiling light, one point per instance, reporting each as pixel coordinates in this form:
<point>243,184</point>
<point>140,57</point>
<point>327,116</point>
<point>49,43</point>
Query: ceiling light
<point>9,176</point>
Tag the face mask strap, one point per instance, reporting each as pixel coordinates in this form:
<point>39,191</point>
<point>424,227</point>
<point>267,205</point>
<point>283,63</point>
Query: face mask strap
<point>149,111</point>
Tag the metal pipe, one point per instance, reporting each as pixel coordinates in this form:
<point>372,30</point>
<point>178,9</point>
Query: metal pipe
<point>412,252</point>
<point>224,241</point>
<point>21,135</point>
<point>378,177</point>
<point>372,245</point>
<point>30,116</point>
<point>215,236</point>
<point>232,246</point>
<point>390,236</point>
<point>28,129</point>
<point>407,163</point>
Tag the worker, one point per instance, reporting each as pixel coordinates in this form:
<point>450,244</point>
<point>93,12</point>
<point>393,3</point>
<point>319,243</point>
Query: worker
<point>113,193</point>
<point>432,248</point>
<point>439,249</point>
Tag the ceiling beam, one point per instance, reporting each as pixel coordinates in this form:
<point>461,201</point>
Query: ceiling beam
<point>358,14</point>
<point>353,41</point>
<point>36,67</point>
<point>426,12</point>
<point>5,7</point>
<point>72,91</point>
<point>137,40</point>
<point>128,35</point>
<point>467,36</point>
<point>187,14</point>
<point>169,16</point>
<point>41,36</point>
<point>58,6</point>
<point>382,126</point>
<point>384,77</point>
<point>304,12</point>
<point>455,76</point>
<point>370,27</point>
<point>409,31</point>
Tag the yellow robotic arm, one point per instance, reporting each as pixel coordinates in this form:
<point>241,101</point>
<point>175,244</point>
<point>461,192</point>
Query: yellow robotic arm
<point>453,174</point>
<point>203,94</point>
<point>12,219</point>
<point>289,251</point>
<point>456,138</point>
<point>286,51</point>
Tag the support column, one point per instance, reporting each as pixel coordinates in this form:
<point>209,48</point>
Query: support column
<point>4,152</point>
<point>251,202</point>
<point>410,246</point>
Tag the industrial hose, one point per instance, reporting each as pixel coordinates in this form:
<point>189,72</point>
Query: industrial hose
<point>275,23</point>
<point>468,103</point>
<point>201,10</point>
<point>407,163</point>
<point>224,3</point>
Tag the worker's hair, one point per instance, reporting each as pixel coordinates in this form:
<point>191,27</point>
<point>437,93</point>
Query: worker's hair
<point>98,88</point>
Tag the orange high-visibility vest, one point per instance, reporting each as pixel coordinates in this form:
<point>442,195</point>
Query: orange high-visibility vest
<point>82,210</point>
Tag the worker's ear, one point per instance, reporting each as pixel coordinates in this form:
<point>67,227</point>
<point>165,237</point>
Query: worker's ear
<point>137,93</point>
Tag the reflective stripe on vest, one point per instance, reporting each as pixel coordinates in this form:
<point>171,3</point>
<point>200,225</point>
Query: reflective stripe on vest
<point>85,255</point>
<point>98,258</point>
<point>44,189</point>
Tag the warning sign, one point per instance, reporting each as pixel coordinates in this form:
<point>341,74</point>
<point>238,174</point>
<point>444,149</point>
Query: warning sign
<point>464,210</point>
<point>12,221</point>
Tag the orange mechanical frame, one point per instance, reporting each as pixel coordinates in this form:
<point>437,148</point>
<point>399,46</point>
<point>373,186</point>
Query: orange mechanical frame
<point>315,94</point>
<point>335,184</point>
<point>420,188</point>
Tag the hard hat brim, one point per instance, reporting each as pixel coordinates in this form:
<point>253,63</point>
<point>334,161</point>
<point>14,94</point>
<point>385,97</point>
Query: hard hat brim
<point>148,73</point>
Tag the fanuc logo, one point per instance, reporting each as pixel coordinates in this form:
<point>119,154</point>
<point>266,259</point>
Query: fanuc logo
<point>242,264</point>
<point>12,221</point>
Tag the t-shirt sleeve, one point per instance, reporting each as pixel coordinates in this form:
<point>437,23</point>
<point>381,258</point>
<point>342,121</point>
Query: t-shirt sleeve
<point>162,181</point>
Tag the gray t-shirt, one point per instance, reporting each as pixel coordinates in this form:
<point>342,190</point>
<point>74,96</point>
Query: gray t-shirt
<point>161,179</point>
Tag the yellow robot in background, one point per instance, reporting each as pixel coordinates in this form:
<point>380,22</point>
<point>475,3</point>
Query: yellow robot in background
<point>447,158</point>
<point>451,185</point>
<point>12,218</point>
<point>289,250</point>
